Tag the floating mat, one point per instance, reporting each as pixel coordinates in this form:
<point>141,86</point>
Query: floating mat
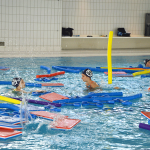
<point>47,115</point>
<point>65,123</point>
<point>11,120</point>
<point>11,100</point>
<point>53,97</point>
<point>9,126</point>
<point>146,114</point>
<point>6,134</point>
<point>116,72</point>
<point>122,75</point>
<point>52,84</point>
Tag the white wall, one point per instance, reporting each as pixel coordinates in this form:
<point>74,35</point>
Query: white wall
<point>31,25</point>
<point>98,17</point>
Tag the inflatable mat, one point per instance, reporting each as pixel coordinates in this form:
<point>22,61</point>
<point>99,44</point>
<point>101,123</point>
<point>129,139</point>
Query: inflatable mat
<point>53,97</point>
<point>4,68</point>
<point>65,123</point>
<point>53,84</point>
<point>9,133</point>
<point>146,114</point>
<point>47,115</point>
<point>116,72</point>
<point>9,126</point>
<point>11,120</point>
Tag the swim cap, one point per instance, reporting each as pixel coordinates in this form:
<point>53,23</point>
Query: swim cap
<point>16,81</point>
<point>88,73</point>
<point>145,61</point>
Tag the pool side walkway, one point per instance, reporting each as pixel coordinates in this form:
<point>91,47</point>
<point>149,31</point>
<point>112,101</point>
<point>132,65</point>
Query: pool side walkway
<point>76,53</point>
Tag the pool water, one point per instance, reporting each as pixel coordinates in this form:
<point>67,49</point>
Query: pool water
<point>113,127</point>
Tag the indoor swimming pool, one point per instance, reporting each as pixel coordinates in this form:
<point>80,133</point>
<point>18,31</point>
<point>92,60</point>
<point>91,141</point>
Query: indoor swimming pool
<point>112,127</point>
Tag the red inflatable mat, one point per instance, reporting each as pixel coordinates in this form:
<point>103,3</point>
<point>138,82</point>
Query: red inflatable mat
<point>52,84</point>
<point>50,75</point>
<point>47,115</point>
<point>116,73</point>
<point>65,123</point>
<point>53,97</point>
<point>8,133</point>
<point>146,114</point>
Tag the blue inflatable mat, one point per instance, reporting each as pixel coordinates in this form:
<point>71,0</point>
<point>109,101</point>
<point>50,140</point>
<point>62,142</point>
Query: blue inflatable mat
<point>11,120</point>
<point>10,126</point>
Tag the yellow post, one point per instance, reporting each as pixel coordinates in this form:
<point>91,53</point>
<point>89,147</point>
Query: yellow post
<point>109,63</point>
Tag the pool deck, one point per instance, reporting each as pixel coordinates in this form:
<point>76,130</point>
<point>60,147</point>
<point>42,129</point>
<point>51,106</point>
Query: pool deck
<point>77,53</point>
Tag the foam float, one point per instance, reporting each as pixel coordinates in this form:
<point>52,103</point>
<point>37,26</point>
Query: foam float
<point>50,75</point>
<point>91,94</point>
<point>10,100</point>
<point>65,69</point>
<point>39,102</point>
<point>65,123</point>
<point>146,114</point>
<point>122,75</point>
<point>144,126</point>
<point>53,84</point>
<point>9,133</point>
<point>4,68</point>
<point>46,68</point>
<point>144,76</point>
<point>27,84</point>
<point>141,72</point>
<point>10,126</point>
<point>11,120</point>
<point>53,97</point>
<point>47,115</point>
<point>116,72</point>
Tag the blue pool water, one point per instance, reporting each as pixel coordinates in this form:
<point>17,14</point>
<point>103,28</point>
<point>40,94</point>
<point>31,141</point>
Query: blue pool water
<point>113,128</point>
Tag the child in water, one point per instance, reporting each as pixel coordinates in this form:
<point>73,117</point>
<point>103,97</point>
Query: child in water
<point>147,62</point>
<point>86,77</point>
<point>20,85</point>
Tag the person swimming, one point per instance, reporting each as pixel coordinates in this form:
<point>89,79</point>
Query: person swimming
<point>19,85</point>
<point>86,77</point>
<point>147,62</point>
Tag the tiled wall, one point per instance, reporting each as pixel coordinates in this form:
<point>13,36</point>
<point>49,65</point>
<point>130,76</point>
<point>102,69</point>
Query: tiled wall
<point>31,25</point>
<point>98,17</point>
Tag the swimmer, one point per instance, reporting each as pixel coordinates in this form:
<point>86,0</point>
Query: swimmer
<point>86,77</point>
<point>20,85</point>
<point>147,62</point>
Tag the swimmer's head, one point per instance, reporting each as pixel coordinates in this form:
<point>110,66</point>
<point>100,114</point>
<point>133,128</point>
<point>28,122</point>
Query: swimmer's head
<point>147,62</point>
<point>88,73</point>
<point>16,82</point>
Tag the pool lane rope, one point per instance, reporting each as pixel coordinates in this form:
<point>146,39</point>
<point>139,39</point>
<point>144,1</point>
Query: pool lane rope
<point>109,62</point>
